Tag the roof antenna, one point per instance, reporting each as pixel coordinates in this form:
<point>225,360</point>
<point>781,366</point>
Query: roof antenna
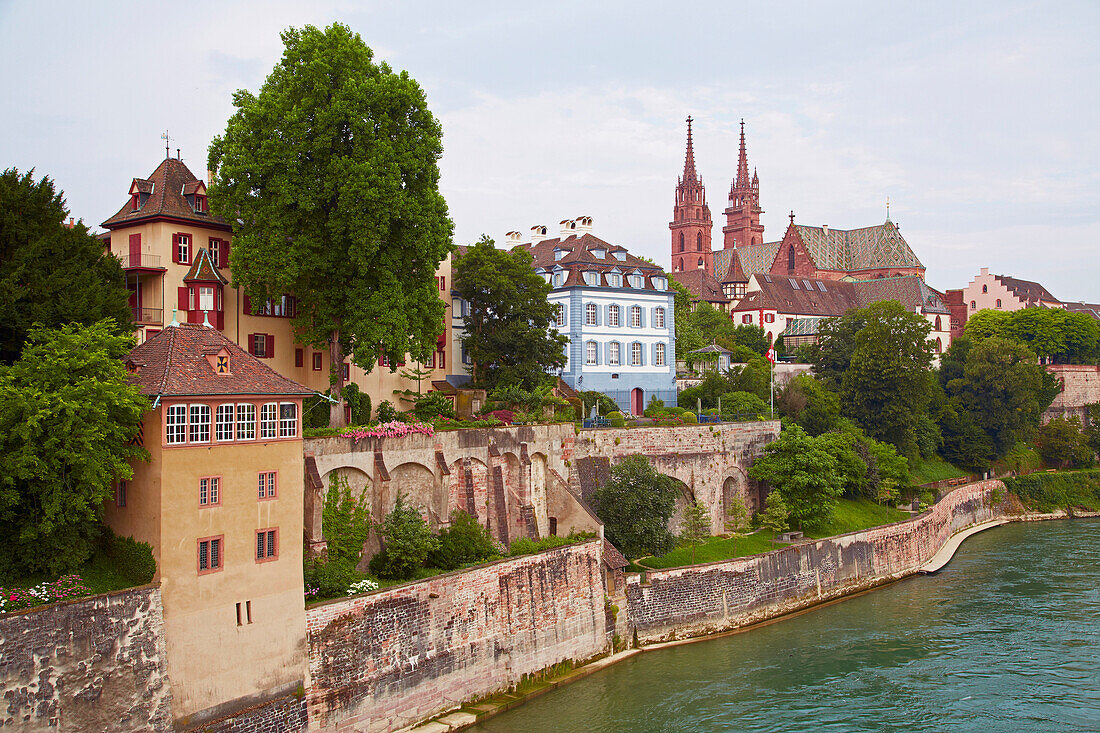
<point>887,208</point>
<point>178,154</point>
<point>165,138</point>
<point>174,322</point>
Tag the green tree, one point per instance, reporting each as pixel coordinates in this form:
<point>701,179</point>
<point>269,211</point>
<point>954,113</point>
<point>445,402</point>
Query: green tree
<point>803,472</point>
<point>810,403</point>
<point>751,337</point>
<point>462,543</point>
<point>509,333</point>
<point>1092,428</point>
<point>68,414</point>
<point>850,453</point>
<point>345,521</point>
<point>775,516</point>
<point>688,337</point>
<point>696,525</point>
<point>330,178</point>
<point>836,342</point>
<point>635,506</point>
<point>50,274</point>
<point>888,383</point>
<point>1062,445</point>
<point>407,542</point>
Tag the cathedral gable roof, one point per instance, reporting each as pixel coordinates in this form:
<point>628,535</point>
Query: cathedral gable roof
<point>849,250</point>
<point>754,258</point>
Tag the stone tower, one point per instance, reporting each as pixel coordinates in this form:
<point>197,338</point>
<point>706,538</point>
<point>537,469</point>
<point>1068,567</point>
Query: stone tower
<point>691,223</point>
<point>743,225</point>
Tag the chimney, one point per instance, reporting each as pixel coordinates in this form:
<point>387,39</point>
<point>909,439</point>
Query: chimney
<point>514,238</point>
<point>825,228</point>
<point>985,270</point>
<point>568,228</point>
<point>538,233</point>
<point>584,224</point>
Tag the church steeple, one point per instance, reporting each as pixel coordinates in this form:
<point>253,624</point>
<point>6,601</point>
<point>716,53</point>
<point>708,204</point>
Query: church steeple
<point>691,224</point>
<point>743,213</point>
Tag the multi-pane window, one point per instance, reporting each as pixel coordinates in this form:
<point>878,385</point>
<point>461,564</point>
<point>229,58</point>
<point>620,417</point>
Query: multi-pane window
<point>120,494</point>
<point>265,486</point>
<point>591,278</point>
<point>223,423</point>
<point>288,420</point>
<point>635,316</point>
<point>210,554</point>
<point>636,281</point>
<point>590,314</point>
<point>200,424</point>
<point>175,427</point>
<point>267,544</point>
<point>615,280</point>
<point>284,306</point>
<point>215,252</point>
<point>246,421</point>
<point>317,358</point>
<point>635,354</point>
<point>613,315</point>
<point>659,359</point>
<point>183,248</point>
<point>559,314</point>
<point>209,490</point>
<point>590,352</point>
<point>269,420</point>
<point>613,353</point>
<point>659,318</point>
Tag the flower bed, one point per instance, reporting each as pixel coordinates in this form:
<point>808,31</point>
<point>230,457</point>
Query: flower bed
<point>395,429</point>
<point>62,589</point>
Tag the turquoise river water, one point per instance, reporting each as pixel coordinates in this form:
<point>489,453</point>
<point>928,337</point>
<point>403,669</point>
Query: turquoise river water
<point>1005,638</point>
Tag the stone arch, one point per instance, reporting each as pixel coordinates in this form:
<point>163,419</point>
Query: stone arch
<point>736,486</point>
<point>536,490</point>
<point>419,484</point>
<point>467,489</point>
<point>358,480</point>
<point>685,498</point>
<point>515,495</point>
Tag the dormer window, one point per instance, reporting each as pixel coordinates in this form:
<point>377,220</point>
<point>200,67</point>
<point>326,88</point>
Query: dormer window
<point>620,256</point>
<point>559,279</point>
<point>599,253</point>
<point>135,201</point>
<point>615,280</point>
<point>659,283</point>
<point>591,278</point>
<point>200,204</point>
<point>222,365</point>
<point>558,254</point>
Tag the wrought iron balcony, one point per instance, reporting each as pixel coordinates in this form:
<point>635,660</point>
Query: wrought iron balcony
<point>148,316</point>
<point>140,262</point>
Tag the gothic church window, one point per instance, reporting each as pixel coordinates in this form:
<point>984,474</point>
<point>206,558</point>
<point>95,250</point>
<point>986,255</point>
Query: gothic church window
<point>790,257</point>
<point>681,241</point>
<point>699,241</point>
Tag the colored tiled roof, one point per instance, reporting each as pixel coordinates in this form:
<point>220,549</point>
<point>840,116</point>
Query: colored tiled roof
<point>1027,291</point>
<point>857,249</point>
<point>910,291</point>
<point>174,363</point>
<point>702,285</point>
<point>1092,309</point>
<point>754,258</point>
<point>580,256</point>
<point>203,270</point>
<point>824,298</point>
<point>166,198</point>
<point>735,273</point>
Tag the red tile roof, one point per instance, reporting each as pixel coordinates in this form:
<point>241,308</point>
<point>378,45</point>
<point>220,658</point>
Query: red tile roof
<point>579,255</point>
<point>164,191</point>
<point>203,270</point>
<point>1091,309</point>
<point>702,285</point>
<point>1027,291</point>
<point>174,363</point>
<point>836,297</point>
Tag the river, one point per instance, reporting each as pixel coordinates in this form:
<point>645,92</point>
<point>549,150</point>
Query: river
<point>1005,638</point>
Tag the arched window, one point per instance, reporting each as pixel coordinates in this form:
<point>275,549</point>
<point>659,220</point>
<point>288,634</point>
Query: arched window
<point>699,241</point>
<point>938,322</point>
<point>790,258</point>
<point>681,241</point>
<point>939,345</point>
<point>985,289</point>
<point>998,302</point>
<point>973,305</point>
<point>700,262</point>
<point>681,267</point>
<point>590,314</point>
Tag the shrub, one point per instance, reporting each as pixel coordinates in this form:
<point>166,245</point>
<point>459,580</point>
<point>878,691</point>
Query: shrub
<point>616,420</point>
<point>407,540</point>
<point>386,412</point>
<point>330,578</point>
<point>689,418</point>
<point>358,403</point>
<point>463,543</point>
<point>366,585</point>
<point>345,522</point>
<point>578,407</point>
<point>315,410</point>
<point>132,560</point>
<point>1046,492</point>
<point>432,405</point>
<point>507,417</point>
<point>743,403</point>
<point>655,405</point>
<point>62,589</point>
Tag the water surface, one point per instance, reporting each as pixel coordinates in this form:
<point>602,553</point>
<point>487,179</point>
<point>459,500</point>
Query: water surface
<point>1005,638</point>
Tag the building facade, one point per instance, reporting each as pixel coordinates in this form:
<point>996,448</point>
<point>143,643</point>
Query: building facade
<point>616,309</point>
<point>1001,292</point>
<point>221,503</point>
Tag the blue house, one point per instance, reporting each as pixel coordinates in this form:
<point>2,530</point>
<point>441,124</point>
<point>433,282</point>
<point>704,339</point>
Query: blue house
<point>616,310</point>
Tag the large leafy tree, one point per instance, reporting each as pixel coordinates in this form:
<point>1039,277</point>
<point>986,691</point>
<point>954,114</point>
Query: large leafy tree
<point>67,418</point>
<point>688,336</point>
<point>836,342</point>
<point>330,178</point>
<point>805,474</point>
<point>509,334</point>
<point>1052,333</point>
<point>50,274</point>
<point>635,506</point>
<point>888,383</point>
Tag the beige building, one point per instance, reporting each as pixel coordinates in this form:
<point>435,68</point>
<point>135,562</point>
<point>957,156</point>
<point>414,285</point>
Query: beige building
<point>220,501</point>
<point>176,257</point>
<point>1001,292</point>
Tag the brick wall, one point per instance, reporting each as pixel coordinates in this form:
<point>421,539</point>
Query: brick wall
<point>1080,387</point>
<point>702,599</point>
<point>282,715</point>
<point>389,659</point>
<point>96,664</point>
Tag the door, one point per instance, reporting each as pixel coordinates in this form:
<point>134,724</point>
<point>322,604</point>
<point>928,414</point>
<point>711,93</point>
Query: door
<point>636,404</point>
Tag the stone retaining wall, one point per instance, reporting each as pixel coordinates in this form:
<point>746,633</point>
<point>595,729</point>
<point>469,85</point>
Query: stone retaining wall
<point>395,657</point>
<point>703,599</point>
<point>94,664</point>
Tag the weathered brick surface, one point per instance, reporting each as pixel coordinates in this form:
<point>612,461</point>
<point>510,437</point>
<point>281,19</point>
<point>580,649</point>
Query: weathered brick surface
<point>96,664</point>
<point>703,599</point>
<point>389,659</point>
<point>281,715</point>
<point>1080,387</point>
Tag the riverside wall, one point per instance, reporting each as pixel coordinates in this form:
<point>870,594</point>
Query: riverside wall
<point>1080,388</point>
<point>392,658</point>
<point>705,599</point>
<point>94,664</point>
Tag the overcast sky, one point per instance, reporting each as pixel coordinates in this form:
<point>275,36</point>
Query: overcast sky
<point>978,120</point>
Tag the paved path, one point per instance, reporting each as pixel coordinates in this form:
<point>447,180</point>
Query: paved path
<point>945,553</point>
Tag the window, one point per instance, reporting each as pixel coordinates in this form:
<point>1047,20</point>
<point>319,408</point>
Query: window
<point>317,361</point>
<point>210,554</point>
<point>591,278</point>
<point>699,241</point>
<point>769,318</point>
<point>221,364</point>
<point>442,280</point>
<point>559,279</point>
<point>615,280</point>
<point>120,494</point>
<point>346,370</point>
<point>590,314</point>
<point>747,318</point>
<point>635,281</point>
<point>200,204</point>
<point>613,353</point>
<point>288,419</point>
<point>635,354</point>
<point>998,302</point>
<point>223,423</point>
<point>265,485</point>
<point>659,358</point>
<point>659,283</point>
<point>267,544</point>
<point>558,254</point>
<point>613,315</point>
<point>659,318</point>
<point>591,351</point>
<point>261,345</point>
<point>939,324</point>
<point>681,241</point>
<point>559,317</point>
<point>466,354</point>
<point>269,420</point>
<point>182,249</point>
<point>790,258</point>
<point>200,424</point>
<point>285,306</point>
<point>215,247</point>
<point>700,263</point>
<point>973,305</point>
<point>985,289</point>
<point>299,357</point>
<point>209,493</point>
<point>175,427</point>
<point>246,421</point>
<point>635,316</point>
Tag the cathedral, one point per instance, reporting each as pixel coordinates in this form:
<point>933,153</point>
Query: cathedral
<point>815,252</point>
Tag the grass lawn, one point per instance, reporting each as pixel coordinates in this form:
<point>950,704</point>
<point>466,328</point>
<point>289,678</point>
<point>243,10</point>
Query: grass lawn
<point>850,516</point>
<point>101,574</point>
<point>927,470</point>
<point>1023,458</point>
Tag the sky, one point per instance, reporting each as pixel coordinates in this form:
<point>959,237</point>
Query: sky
<point>978,120</point>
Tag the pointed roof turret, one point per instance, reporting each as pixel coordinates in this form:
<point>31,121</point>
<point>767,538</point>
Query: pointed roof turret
<point>742,162</point>
<point>689,159</point>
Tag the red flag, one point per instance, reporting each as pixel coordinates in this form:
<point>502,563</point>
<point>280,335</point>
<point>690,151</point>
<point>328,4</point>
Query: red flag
<point>771,355</point>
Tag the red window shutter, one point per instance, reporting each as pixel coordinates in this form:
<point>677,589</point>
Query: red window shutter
<point>182,295</point>
<point>175,248</point>
<point>381,360</point>
<point>135,250</point>
<point>252,344</point>
<point>225,253</point>
<point>220,325</point>
<point>270,341</point>
<point>247,305</point>
<point>299,357</point>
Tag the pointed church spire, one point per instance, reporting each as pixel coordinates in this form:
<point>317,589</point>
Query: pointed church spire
<point>689,158</point>
<point>742,162</point>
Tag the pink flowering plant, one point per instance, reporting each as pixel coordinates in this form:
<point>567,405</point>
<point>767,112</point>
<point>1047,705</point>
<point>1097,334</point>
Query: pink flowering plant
<point>394,429</point>
<point>62,589</point>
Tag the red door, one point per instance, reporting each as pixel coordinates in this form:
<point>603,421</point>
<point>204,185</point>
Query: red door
<point>636,405</point>
<point>135,250</point>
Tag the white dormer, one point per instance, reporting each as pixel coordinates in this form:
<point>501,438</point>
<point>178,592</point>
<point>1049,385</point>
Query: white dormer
<point>538,233</point>
<point>591,277</point>
<point>615,278</point>
<point>599,253</point>
<point>513,238</point>
<point>583,224</point>
<point>620,255</point>
<point>659,283</point>
<point>559,253</point>
<point>568,228</point>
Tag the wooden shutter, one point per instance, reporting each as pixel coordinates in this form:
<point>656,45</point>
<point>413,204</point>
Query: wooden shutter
<point>247,305</point>
<point>135,250</point>
<point>252,344</point>
<point>182,298</point>
<point>269,342</point>
<point>175,248</point>
<point>225,253</point>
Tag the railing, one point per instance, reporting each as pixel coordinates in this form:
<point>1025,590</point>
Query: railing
<point>152,316</point>
<point>133,262</point>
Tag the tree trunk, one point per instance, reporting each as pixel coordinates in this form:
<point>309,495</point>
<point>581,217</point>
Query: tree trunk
<point>336,416</point>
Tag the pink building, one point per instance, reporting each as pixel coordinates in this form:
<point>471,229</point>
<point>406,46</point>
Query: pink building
<point>1000,292</point>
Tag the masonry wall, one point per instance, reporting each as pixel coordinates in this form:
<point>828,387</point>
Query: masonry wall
<point>703,599</point>
<point>391,658</point>
<point>95,664</point>
<point>1080,387</point>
